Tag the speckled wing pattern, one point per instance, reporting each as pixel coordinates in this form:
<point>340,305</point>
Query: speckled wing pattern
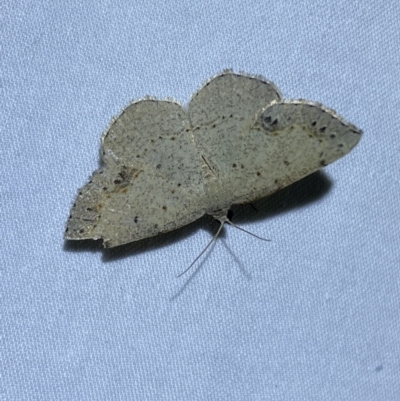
<point>289,141</point>
<point>165,167</point>
<point>220,114</point>
<point>151,181</point>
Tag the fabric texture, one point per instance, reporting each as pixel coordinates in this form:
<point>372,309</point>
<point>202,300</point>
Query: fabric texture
<point>312,315</point>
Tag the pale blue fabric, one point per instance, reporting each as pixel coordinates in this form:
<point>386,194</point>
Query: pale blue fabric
<point>313,315</point>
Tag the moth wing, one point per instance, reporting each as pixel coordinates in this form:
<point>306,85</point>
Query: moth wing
<point>151,181</point>
<point>289,141</point>
<point>220,112</point>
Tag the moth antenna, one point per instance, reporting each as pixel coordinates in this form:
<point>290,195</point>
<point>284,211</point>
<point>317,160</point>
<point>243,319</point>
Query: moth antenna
<point>208,245</point>
<point>248,232</point>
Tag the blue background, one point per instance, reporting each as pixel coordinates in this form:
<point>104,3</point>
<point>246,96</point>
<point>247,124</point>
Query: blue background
<point>313,315</point>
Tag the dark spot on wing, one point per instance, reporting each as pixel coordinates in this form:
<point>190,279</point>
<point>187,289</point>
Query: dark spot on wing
<point>234,165</point>
<point>322,129</point>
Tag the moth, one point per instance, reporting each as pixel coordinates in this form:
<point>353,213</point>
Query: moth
<point>165,166</point>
